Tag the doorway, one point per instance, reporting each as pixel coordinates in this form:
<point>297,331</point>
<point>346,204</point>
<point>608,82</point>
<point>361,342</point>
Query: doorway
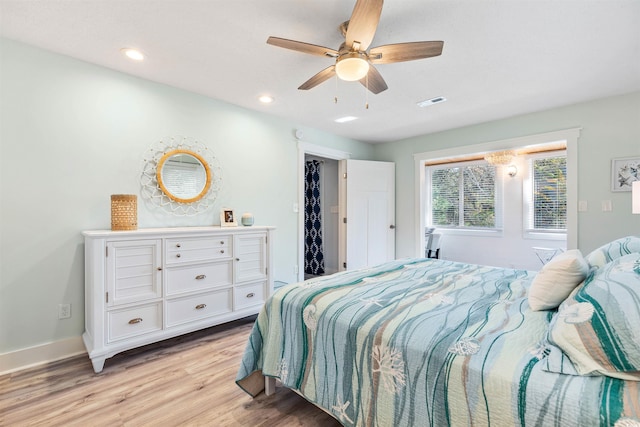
<point>321,208</point>
<point>330,157</point>
<point>368,196</point>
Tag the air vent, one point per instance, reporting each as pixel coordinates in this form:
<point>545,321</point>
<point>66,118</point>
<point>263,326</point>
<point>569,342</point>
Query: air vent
<point>428,102</point>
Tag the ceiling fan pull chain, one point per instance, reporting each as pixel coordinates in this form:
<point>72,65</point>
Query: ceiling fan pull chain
<point>366,92</point>
<point>335,98</point>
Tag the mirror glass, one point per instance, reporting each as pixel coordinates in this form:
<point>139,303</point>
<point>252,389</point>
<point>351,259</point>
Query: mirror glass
<point>183,176</point>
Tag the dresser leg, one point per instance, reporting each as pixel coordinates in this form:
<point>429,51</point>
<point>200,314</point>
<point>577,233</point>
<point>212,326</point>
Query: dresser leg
<point>269,386</point>
<point>98,364</point>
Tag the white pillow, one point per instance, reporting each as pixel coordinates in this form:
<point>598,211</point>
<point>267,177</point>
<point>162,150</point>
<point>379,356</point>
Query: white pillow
<point>557,279</point>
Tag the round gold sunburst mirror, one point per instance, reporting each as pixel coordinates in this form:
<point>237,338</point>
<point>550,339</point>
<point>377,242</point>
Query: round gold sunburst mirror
<point>180,175</point>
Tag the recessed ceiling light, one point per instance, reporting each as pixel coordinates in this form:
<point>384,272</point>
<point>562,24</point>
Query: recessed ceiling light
<point>134,54</point>
<point>345,119</point>
<point>428,102</point>
<point>266,99</point>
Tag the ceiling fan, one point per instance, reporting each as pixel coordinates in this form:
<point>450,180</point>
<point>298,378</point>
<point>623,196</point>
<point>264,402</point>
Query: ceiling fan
<point>353,61</point>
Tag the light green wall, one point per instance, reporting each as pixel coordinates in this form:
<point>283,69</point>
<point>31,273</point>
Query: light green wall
<point>610,129</point>
<point>73,133</point>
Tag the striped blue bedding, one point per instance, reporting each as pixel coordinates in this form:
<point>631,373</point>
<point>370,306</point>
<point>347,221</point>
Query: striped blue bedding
<point>425,342</point>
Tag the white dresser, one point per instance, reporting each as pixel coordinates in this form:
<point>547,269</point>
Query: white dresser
<point>151,284</point>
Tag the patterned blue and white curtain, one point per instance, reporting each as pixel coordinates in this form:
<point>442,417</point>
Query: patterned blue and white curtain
<point>313,251</point>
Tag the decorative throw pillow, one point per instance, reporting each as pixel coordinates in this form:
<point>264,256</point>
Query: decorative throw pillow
<point>597,327</point>
<point>557,279</point>
<point>610,251</point>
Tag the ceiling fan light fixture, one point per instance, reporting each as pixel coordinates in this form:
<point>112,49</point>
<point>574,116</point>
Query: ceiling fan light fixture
<point>352,66</point>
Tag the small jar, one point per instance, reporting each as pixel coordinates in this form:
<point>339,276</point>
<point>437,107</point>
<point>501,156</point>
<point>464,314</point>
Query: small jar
<point>247,219</point>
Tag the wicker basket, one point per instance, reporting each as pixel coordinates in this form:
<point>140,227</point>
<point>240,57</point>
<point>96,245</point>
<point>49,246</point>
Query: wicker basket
<point>124,212</point>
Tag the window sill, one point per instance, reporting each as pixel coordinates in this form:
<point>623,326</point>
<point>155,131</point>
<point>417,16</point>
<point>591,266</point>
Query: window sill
<point>540,235</point>
<point>492,232</point>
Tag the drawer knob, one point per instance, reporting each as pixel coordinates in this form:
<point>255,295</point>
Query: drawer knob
<point>222,242</point>
<point>237,259</point>
<point>136,320</point>
<point>221,251</point>
<point>200,277</point>
<point>200,306</point>
<point>177,255</point>
<point>178,245</point>
<point>250,295</point>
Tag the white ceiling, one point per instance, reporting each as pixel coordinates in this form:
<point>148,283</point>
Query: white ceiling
<point>501,57</point>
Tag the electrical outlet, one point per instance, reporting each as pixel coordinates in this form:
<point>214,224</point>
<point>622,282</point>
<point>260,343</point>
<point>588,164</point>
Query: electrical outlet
<point>64,311</point>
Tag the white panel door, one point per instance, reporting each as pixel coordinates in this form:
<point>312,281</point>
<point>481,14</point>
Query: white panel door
<point>369,197</point>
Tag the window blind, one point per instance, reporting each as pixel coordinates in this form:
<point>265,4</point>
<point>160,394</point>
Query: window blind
<point>548,196</point>
<point>463,195</point>
<point>445,196</point>
<point>479,196</point>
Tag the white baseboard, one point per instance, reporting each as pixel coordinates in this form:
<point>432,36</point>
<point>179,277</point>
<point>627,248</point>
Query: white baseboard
<point>40,354</point>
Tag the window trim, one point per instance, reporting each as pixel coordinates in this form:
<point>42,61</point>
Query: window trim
<point>463,230</point>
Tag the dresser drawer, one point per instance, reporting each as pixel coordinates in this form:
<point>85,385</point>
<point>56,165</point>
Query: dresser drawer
<point>249,295</point>
<point>198,277</point>
<point>134,321</point>
<point>188,309</point>
<point>181,251</point>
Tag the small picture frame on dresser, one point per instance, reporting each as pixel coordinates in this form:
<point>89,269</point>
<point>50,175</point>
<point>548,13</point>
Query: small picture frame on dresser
<point>228,218</point>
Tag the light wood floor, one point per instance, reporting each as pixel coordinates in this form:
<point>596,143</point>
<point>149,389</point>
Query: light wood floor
<point>185,381</point>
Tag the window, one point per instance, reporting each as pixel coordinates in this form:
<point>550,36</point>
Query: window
<point>511,206</point>
<point>546,194</point>
<point>463,195</point>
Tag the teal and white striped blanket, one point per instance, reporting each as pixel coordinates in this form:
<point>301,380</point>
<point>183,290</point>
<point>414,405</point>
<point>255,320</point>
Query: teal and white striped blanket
<point>425,342</point>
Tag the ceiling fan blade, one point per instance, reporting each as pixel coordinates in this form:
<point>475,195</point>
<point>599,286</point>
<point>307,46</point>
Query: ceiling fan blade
<point>321,77</point>
<point>302,47</point>
<point>400,52</point>
<point>363,23</point>
<point>376,83</point>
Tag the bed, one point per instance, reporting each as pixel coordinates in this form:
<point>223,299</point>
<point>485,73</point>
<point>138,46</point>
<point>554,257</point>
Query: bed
<point>429,342</point>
